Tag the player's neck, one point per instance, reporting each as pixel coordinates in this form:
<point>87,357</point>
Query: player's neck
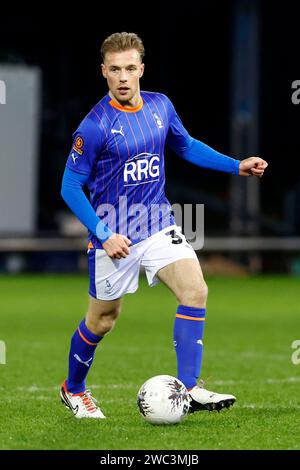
<point>133,103</point>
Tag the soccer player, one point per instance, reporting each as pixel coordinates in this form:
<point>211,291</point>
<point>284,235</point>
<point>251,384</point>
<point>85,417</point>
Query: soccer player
<point>118,154</point>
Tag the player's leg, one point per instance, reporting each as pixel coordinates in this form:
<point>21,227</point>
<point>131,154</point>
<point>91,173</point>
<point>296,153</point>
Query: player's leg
<point>102,315</point>
<point>100,319</point>
<point>109,281</point>
<point>171,259</point>
<point>184,278</point>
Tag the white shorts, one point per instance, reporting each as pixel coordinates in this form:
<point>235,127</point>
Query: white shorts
<point>111,278</point>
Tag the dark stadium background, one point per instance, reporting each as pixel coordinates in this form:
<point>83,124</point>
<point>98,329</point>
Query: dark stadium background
<point>188,57</point>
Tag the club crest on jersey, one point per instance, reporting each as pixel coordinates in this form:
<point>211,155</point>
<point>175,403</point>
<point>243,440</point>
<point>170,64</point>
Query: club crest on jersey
<point>158,121</point>
<point>78,145</point>
<point>141,169</point>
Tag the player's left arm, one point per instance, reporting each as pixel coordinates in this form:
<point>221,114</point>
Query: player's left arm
<point>203,155</point>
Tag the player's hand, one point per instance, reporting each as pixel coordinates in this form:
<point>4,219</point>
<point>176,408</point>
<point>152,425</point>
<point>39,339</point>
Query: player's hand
<point>252,166</point>
<point>117,246</point>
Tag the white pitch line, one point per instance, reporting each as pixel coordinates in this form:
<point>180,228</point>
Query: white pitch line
<point>249,406</point>
<point>210,353</point>
<point>50,398</point>
<point>250,355</point>
<point>261,381</point>
<point>35,388</point>
<point>134,386</point>
<point>265,406</point>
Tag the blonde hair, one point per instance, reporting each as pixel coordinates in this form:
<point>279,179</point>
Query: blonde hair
<point>119,42</point>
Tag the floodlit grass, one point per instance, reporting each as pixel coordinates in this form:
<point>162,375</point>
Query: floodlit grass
<point>251,324</point>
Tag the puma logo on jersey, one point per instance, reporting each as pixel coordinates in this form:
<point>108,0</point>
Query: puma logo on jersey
<point>86,363</point>
<point>74,158</point>
<point>118,131</point>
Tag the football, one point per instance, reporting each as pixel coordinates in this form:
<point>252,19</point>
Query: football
<point>163,399</point>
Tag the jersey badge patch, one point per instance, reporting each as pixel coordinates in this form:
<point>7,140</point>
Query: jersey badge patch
<point>78,145</point>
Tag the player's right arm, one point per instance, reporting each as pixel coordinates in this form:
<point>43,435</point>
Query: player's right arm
<point>115,245</point>
<point>77,173</point>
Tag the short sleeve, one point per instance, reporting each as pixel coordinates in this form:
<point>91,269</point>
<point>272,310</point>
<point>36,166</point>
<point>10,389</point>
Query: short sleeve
<point>87,146</point>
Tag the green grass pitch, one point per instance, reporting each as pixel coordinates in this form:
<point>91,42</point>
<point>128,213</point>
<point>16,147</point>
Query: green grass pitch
<point>251,324</point>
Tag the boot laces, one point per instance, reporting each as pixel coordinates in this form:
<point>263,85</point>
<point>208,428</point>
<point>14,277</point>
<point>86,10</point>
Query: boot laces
<point>202,382</point>
<point>89,401</point>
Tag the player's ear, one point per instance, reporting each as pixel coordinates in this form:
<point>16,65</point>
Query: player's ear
<point>103,69</point>
<point>142,70</point>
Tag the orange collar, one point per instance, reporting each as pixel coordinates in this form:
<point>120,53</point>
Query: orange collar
<point>126,109</point>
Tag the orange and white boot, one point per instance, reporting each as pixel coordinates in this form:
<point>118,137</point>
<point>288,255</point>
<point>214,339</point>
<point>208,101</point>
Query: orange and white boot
<point>83,405</point>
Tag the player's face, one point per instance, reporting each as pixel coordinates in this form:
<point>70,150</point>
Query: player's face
<point>123,71</point>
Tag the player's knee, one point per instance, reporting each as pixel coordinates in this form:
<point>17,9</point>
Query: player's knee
<point>104,323</point>
<point>195,296</point>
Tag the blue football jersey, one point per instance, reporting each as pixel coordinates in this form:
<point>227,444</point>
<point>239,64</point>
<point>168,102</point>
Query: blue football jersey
<point>122,152</point>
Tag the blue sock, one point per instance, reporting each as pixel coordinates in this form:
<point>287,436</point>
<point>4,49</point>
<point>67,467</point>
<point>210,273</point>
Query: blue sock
<point>188,334</point>
<point>83,346</point>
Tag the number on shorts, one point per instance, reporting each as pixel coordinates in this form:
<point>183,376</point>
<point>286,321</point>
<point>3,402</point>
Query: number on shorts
<point>176,238</point>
